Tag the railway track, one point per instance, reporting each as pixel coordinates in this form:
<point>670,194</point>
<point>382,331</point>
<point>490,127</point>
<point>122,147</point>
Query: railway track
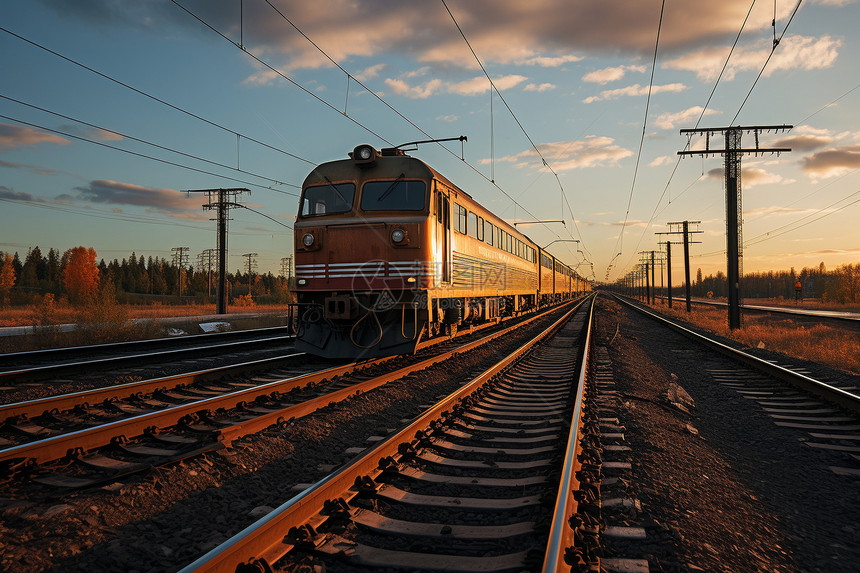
<point>828,414</point>
<point>19,367</point>
<point>837,319</point>
<point>487,479</point>
<point>87,438</point>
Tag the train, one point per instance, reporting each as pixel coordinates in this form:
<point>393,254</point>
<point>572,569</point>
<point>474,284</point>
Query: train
<point>390,253</point>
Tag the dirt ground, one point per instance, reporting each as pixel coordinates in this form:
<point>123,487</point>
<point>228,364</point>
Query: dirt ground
<point>721,488</point>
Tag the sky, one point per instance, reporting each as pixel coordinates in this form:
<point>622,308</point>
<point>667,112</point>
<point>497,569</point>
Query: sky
<point>111,110</point>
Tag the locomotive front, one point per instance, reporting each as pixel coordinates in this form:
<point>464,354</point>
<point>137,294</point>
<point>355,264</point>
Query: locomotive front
<point>363,255</point>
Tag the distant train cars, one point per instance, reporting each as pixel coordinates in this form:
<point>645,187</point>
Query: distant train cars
<point>389,252</point>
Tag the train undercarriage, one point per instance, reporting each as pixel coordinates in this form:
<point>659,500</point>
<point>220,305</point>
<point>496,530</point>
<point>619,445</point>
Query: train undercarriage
<point>377,324</point>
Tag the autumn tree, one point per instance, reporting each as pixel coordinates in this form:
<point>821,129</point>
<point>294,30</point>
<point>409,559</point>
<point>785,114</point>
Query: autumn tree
<point>80,274</point>
<point>7,277</point>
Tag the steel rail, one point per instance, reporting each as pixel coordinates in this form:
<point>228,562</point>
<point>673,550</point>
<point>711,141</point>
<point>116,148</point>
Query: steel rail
<point>264,539</point>
<point>58,446</point>
<point>561,535</point>
<point>825,391</point>
<point>32,408</point>
<point>13,376</point>
<point>823,315</point>
<point>54,353</point>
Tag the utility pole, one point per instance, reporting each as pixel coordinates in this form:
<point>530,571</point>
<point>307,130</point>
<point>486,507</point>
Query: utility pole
<point>287,268</point>
<point>252,262</point>
<point>180,259</point>
<point>221,201</point>
<point>682,228</point>
<point>668,287</point>
<point>204,262</point>
<point>733,151</point>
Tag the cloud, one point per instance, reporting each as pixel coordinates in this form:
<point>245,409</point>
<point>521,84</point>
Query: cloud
<point>793,53</point>
<point>634,90</point>
<point>539,87</point>
<point>593,151</point>
<point>670,120</point>
<point>612,74</point>
<point>549,61</point>
<point>628,223</point>
<point>662,160</point>
<point>17,136</point>
<point>12,195</point>
<point>776,210</point>
<point>475,86</point>
<point>91,132</point>
<point>450,118</point>
<point>369,73</point>
<point>480,85</point>
<point>752,176</point>
<point>544,33</point>
<point>115,193</point>
<point>422,91</point>
<point>832,162</point>
<point>803,142</point>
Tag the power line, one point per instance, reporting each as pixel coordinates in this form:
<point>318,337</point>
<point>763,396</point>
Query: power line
<point>162,147</point>
<point>157,99</point>
<point>770,234</point>
<point>343,113</point>
<point>516,119</point>
<point>135,153</point>
<point>280,73</point>
<point>698,121</point>
<point>776,42</point>
<point>90,212</point>
<point>620,241</point>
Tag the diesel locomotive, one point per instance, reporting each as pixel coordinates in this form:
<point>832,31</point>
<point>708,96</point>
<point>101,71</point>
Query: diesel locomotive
<point>389,252</point>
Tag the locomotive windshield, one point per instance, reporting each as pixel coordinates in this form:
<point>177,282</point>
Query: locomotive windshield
<point>397,195</point>
<point>328,199</point>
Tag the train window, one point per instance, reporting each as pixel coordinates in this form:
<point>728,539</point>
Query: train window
<point>472,225</point>
<point>489,231</point>
<point>460,221</point>
<point>327,199</point>
<point>480,228</point>
<point>397,195</point>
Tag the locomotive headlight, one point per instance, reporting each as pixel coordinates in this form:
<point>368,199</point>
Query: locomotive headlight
<point>397,235</point>
<point>308,240</point>
<point>364,155</point>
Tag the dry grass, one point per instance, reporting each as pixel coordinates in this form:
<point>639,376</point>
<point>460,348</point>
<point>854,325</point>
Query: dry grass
<point>818,343</point>
<point>66,314</point>
<point>105,320</point>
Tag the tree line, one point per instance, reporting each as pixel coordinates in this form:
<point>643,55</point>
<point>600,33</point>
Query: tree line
<point>77,276</point>
<point>840,285</point>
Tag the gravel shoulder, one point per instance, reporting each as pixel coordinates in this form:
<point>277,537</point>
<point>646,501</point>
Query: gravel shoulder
<point>722,488</point>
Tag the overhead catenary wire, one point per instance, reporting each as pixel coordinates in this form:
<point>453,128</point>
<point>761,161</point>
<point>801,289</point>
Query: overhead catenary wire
<point>620,241</point>
<point>776,43</point>
<point>343,113</point>
<point>162,147</point>
<point>156,99</point>
<point>514,116</point>
<point>135,153</point>
<point>654,213</point>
